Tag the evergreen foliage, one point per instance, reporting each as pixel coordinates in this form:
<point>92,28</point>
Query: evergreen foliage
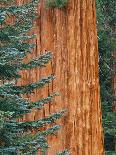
<point>16,137</point>
<point>106,24</point>
<point>66,152</point>
<point>56,3</point>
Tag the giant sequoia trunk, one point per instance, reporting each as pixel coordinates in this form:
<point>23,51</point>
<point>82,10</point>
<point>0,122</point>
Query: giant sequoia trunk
<point>70,33</point>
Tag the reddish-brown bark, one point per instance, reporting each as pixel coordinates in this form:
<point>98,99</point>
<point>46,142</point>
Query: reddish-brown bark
<point>70,33</point>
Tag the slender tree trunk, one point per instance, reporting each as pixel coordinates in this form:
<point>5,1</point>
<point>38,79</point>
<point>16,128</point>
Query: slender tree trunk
<point>70,33</point>
<point>114,88</point>
<point>114,82</point>
<point>114,99</point>
<point>114,75</point>
<point>113,38</point>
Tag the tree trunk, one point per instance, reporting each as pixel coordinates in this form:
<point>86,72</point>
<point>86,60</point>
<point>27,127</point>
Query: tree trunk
<point>114,89</point>
<point>70,33</point>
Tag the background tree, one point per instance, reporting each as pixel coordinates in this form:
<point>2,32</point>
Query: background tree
<point>107,63</point>
<point>21,137</point>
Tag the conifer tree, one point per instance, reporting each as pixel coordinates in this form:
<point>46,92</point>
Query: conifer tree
<point>16,137</point>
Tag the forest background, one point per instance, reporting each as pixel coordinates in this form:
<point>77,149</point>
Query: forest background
<point>106,16</point>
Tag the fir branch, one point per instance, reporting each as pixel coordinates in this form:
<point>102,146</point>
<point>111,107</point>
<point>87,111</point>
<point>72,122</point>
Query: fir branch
<point>39,104</point>
<point>12,89</point>
<point>37,141</point>
<point>40,123</point>
<point>30,87</point>
<point>15,104</point>
<point>50,131</point>
<point>66,152</point>
<point>38,62</point>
